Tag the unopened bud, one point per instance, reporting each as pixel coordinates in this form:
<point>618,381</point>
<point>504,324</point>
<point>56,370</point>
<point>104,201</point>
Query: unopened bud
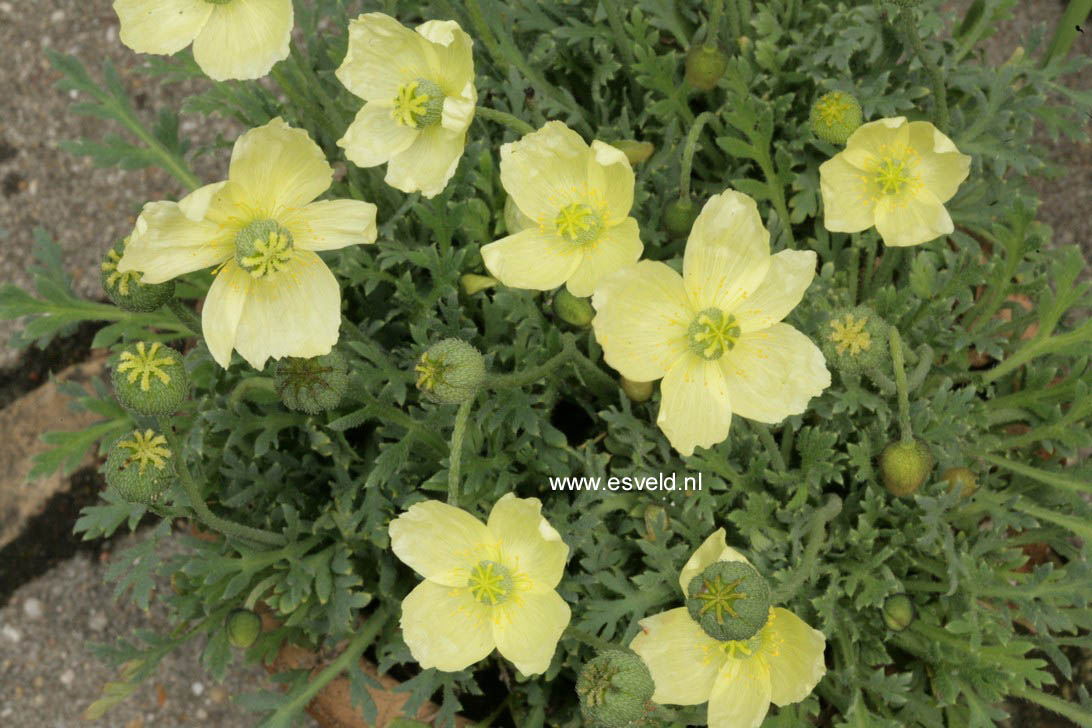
<point>243,627</point>
<point>150,378</point>
<point>139,467</point>
<point>679,216</point>
<point>450,372</point>
<point>125,289</point>
<point>312,385</point>
<point>573,309</point>
<point>729,600</point>
<point>961,480</point>
<point>635,151</point>
<point>904,466</point>
<point>898,612</point>
<point>834,116</point>
<point>636,391</point>
<point>472,283</point>
<point>705,65</point>
<point>615,690</point>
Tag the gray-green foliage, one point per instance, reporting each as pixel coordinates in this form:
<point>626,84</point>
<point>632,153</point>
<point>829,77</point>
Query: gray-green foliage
<point>802,500</point>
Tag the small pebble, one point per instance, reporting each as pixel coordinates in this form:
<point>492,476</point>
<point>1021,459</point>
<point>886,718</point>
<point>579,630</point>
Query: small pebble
<point>11,633</point>
<point>39,681</point>
<point>8,710</point>
<point>57,16</point>
<point>68,677</point>
<point>202,714</point>
<point>197,688</point>
<point>33,608</point>
<point>5,7</point>
<point>97,622</point>
<point>217,694</point>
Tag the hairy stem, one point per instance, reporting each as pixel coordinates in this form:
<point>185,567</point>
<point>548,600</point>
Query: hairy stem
<point>898,365</point>
<point>909,31</point>
<point>186,315</point>
<point>462,418</point>
<point>501,117</point>
<point>805,567</point>
<point>688,153</point>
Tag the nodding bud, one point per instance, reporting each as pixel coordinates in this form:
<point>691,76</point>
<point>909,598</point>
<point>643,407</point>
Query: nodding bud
<point>898,612</point>
<point>243,627</point>
<point>962,479</point>
<point>150,378</point>
<point>635,151</point>
<point>904,466</point>
<point>855,340</point>
<point>615,690</point>
<point>834,116</point>
<point>125,289</point>
<point>450,372</point>
<point>705,65</point>
<point>679,216</point>
<point>140,467</point>
<point>729,600</point>
<point>573,309</point>
<point>472,283</point>
<point>312,385</point>
<point>636,391</point>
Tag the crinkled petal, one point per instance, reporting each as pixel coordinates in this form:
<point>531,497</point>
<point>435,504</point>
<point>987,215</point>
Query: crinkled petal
<point>449,54</point>
<point>374,136</point>
<point>941,166</point>
<point>276,167</point>
<point>774,373</point>
<point>383,54</point>
<point>683,660</point>
<point>641,320</point>
<point>848,202</point>
<point>612,174</point>
<point>296,312</point>
<point>714,549</point>
<point>727,254</point>
<point>790,274</point>
<point>223,310</point>
<point>617,247</point>
<point>332,224</point>
<point>741,694</point>
<point>244,39</point>
<point>458,111</point>
<point>695,406</point>
<point>544,168</point>
<point>913,219</point>
<point>428,164</point>
<point>446,628</point>
<point>161,26</point>
<point>438,541</point>
<point>875,140</point>
<point>532,258</point>
<point>527,629</point>
<point>528,544</point>
<point>166,243</point>
<point>794,652</point>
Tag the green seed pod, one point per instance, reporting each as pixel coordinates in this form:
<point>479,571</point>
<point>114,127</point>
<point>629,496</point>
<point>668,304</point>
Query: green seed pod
<point>615,690</point>
<point>705,65</point>
<point>905,466</point>
<point>150,378</point>
<point>898,612</point>
<point>312,385</point>
<point>729,600</point>
<point>679,216</point>
<point>855,340</point>
<point>636,391</point>
<point>573,309</point>
<point>450,372</point>
<point>962,479</point>
<point>635,151</point>
<point>243,627</point>
<point>835,116</point>
<point>125,289</point>
<point>139,468</point>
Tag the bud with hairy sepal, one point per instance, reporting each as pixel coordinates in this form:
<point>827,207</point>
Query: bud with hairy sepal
<point>140,467</point>
<point>573,309</point>
<point>961,480</point>
<point>125,289</point>
<point>615,690</point>
<point>834,116</point>
<point>312,385</point>
<point>472,283</point>
<point>150,378</point>
<point>636,391</point>
<point>854,340</point>
<point>898,612</point>
<point>705,66</point>
<point>450,372</point>
<point>679,216</point>
<point>243,627</point>
<point>904,466</point>
<point>729,600</point>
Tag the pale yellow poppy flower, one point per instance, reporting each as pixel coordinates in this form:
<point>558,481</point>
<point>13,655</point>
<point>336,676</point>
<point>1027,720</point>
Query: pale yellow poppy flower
<point>894,175</point>
<point>420,94</point>
<point>577,200</point>
<point>486,585</point>
<point>713,333</point>
<point>781,664</point>
<point>273,296</point>
<point>232,39</point>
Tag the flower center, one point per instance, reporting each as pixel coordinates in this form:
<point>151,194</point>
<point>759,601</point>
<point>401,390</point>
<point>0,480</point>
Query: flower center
<point>894,173</point>
<point>263,248</point>
<point>148,448</point>
<point>849,334</point>
<point>712,333</point>
<point>116,279</point>
<point>490,583</point>
<point>418,104</point>
<point>144,364</point>
<point>578,223</point>
<point>738,649</point>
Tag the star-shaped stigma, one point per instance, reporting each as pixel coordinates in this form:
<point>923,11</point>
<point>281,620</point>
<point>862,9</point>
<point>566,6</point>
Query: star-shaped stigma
<point>719,597</point>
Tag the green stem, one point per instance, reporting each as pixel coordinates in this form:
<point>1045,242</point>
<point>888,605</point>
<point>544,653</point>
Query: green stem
<point>1076,13</point>
<point>712,31</point>
<point>596,643</point>
<point>477,19</point>
<point>854,270</point>
<point>249,385</point>
<point>734,20</point>
<point>1055,479</point>
<point>788,434</point>
<point>940,92</point>
<point>527,376</point>
<point>870,265</point>
<point>1042,344</point>
<point>186,315</point>
<point>618,28</point>
<point>1079,715</point>
<point>501,117</point>
<point>462,417</point>
<point>884,274</point>
<point>770,444</point>
<point>593,371</point>
<point>900,383</point>
<point>688,153</point>
<point>300,98</point>
<point>806,566</point>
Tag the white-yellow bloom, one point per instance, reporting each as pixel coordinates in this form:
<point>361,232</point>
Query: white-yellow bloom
<point>420,94</point>
<point>578,200</point>
<point>781,664</point>
<point>894,175</point>
<point>713,333</point>
<point>486,585</point>
<point>273,296</point>
<point>240,39</point>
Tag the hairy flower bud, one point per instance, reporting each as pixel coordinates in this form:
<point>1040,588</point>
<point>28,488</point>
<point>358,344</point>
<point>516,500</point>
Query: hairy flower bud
<point>150,378</point>
<point>615,689</point>
<point>705,65</point>
<point>125,289</point>
<point>139,467</point>
<point>472,283</point>
<point>855,340</point>
<point>243,627</point>
<point>312,385</point>
<point>898,612</point>
<point>679,216</point>
<point>450,372</point>
<point>834,116</point>
<point>729,600</point>
<point>636,391</point>
<point>904,466</point>
<point>635,151</point>
<point>962,479</point>
<point>572,309</point>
